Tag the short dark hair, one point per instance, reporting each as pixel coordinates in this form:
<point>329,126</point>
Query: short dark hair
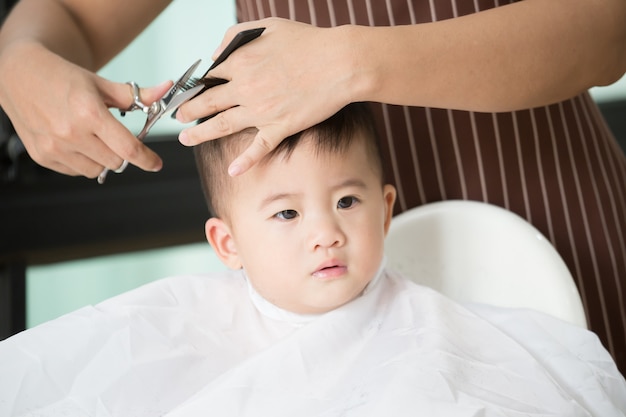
<point>334,135</point>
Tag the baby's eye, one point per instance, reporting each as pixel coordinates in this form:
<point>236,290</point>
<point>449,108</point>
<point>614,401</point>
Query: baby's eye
<point>286,214</point>
<point>347,202</point>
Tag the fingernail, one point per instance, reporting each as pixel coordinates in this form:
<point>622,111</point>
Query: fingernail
<point>183,138</point>
<point>234,169</point>
<point>165,83</point>
<point>157,167</point>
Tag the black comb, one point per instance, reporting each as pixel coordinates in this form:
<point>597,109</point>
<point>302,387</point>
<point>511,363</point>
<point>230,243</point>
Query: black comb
<point>239,40</point>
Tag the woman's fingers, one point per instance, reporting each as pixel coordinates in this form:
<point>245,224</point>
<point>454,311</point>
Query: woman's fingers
<point>223,124</point>
<point>264,142</point>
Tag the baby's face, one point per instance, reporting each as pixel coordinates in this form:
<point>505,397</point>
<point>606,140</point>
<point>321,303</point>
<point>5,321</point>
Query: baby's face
<point>309,230</point>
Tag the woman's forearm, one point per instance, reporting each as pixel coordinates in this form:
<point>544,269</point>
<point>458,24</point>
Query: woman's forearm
<point>86,33</point>
<point>526,54</point>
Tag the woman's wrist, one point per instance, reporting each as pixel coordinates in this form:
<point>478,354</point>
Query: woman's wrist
<point>357,68</point>
<point>12,56</point>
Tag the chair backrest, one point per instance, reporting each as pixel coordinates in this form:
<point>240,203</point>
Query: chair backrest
<point>477,252</point>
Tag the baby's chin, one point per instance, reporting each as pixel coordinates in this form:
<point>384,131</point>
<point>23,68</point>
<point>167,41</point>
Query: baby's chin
<point>313,307</point>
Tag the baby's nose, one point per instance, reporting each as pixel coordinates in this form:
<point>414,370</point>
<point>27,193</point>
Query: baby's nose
<point>326,232</point>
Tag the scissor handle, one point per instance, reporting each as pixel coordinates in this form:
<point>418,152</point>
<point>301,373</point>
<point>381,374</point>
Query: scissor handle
<point>137,103</point>
<point>105,171</point>
<point>154,113</point>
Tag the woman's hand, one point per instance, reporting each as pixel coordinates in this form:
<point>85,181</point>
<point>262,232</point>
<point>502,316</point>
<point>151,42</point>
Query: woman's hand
<point>290,78</point>
<point>60,112</point>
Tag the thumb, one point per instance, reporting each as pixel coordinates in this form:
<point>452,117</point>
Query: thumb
<point>151,94</point>
<point>121,95</point>
<point>260,146</point>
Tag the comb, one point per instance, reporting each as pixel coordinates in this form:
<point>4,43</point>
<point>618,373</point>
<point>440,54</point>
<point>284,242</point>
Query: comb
<point>238,41</point>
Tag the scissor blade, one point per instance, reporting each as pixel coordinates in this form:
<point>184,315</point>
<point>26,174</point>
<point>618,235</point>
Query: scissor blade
<point>183,97</point>
<point>180,84</point>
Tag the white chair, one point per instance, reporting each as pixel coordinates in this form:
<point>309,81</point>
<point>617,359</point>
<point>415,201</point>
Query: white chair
<point>476,252</point>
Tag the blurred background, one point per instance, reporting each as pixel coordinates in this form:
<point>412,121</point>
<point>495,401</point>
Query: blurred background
<point>68,242</point>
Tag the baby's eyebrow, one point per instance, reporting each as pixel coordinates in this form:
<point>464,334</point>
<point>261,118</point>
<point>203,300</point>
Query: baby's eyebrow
<point>351,182</point>
<point>275,197</point>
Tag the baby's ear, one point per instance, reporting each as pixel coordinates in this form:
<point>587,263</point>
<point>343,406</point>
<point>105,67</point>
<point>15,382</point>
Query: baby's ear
<point>389,193</point>
<point>221,239</point>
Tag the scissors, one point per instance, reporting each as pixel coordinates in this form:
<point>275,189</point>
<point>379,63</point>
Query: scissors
<point>182,91</point>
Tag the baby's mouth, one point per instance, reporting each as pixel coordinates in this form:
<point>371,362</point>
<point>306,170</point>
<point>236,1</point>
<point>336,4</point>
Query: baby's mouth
<point>330,270</point>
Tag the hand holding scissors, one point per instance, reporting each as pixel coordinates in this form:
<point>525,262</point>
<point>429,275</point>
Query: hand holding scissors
<point>182,90</point>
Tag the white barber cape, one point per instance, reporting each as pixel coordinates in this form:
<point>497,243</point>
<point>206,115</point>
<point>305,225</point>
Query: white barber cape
<point>211,346</point>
